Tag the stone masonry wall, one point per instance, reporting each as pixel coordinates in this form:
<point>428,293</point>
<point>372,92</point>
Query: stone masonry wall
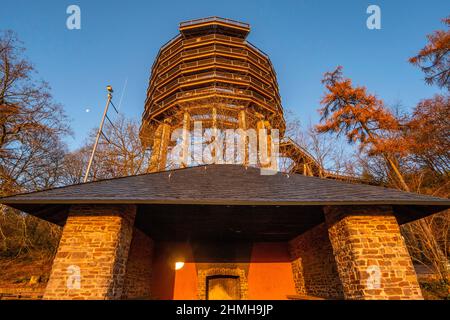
<point>313,264</point>
<point>372,258</point>
<point>91,259</point>
<point>138,278</point>
<point>223,271</point>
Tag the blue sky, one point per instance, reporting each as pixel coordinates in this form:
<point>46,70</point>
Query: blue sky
<point>118,40</point>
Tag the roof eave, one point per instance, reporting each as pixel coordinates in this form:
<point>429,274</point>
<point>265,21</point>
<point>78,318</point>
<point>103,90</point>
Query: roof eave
<point>441,203</point>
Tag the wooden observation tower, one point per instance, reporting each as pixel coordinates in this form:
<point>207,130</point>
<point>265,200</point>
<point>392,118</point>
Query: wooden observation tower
<point>209,72</point>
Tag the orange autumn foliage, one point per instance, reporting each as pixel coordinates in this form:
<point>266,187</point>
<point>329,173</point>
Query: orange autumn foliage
<point>413,153</point>
<point>360,116</point>
<point>436,53</point>
<point>426,134</point>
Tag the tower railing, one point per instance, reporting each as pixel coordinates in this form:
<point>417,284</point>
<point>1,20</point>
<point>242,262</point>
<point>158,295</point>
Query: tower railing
<point>213,19</point>
<point>212,75</point>
<point>259,77</point>
<point>223,91</point>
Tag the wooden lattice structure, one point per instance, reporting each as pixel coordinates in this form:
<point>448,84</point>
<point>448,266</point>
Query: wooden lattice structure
<point>210,73</point>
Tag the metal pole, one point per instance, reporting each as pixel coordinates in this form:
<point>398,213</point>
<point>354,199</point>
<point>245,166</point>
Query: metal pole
<point>98,137</point>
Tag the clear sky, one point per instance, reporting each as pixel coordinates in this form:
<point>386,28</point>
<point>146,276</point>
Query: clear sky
<point>118,40</point>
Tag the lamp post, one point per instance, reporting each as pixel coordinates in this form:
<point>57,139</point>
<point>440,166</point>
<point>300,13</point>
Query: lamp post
<point>105,112</point>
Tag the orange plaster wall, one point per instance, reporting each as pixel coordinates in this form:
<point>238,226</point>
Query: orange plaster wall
<point>270,273</point>
<point>186,283</point>
<point>163,275</point>
<point>169,283</point>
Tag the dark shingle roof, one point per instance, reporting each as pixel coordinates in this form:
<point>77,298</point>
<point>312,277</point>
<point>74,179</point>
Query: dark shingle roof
<point>224,185</point>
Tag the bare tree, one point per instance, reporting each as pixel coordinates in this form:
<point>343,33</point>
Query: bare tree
<point>330,153</point>
<point>31,150</point>
<point>119,154</point>
<point>31,124</point>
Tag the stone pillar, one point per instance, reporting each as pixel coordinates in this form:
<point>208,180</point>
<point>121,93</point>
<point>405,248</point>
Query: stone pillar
<point>161,140</point>
<point>313,264</point>
<point>92,255</point>
<point>138,279</point>
<point>372,259</point>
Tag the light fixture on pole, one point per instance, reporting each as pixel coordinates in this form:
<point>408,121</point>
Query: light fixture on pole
<point>110,91</point>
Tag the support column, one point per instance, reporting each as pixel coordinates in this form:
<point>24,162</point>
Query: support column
<point>214,118</point>
<point>313,264</point>
<point>372,259</point>
<point>138,279</point>
<point>216,145</point>
<point>186,139</point>
<point>92,253</point>
<point>307,170</point>
<point>243,137</point>
<point>268,149</point>
<point>159,150</point>
<point>263,142</point>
